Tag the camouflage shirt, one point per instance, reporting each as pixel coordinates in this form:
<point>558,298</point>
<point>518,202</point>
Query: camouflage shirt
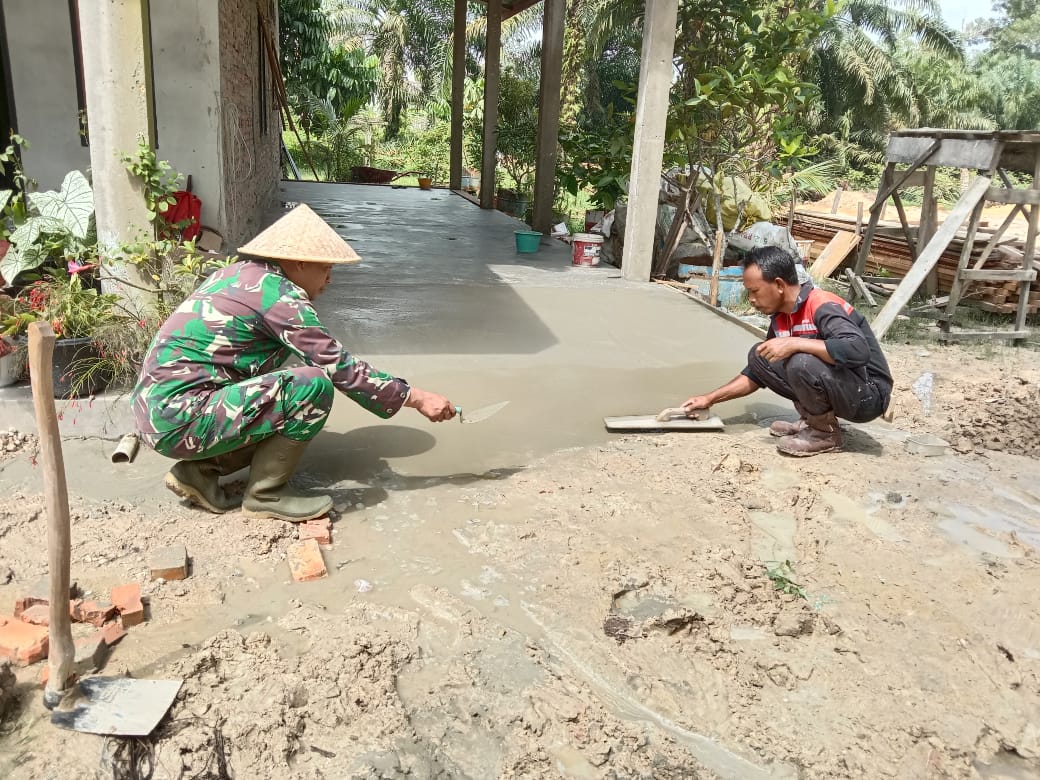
<point>243,321</point>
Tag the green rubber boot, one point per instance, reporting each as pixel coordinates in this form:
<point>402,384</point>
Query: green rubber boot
<point>269,493</point>
<point>197,481</point>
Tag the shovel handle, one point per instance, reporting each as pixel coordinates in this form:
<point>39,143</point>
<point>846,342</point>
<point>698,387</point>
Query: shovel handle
<point>59,536</point>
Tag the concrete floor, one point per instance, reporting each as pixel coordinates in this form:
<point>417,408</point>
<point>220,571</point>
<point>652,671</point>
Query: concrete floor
<point>443,299</point>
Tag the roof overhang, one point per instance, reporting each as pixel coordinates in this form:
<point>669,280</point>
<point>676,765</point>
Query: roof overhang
<point>516,6</point>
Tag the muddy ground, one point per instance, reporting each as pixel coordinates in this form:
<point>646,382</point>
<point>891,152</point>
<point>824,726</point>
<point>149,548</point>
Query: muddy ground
<point>653,606</point>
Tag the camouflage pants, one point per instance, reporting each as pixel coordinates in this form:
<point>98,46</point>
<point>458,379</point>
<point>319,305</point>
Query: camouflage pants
<point>293,402</point>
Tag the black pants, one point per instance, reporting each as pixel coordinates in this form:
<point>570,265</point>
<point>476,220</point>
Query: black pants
<point>818,388</point>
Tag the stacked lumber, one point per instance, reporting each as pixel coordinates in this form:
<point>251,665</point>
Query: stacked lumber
<point>889,253</point>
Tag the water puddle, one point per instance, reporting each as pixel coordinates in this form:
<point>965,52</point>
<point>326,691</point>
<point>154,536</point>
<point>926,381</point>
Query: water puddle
<point>845,510</point>
<point>976,527</point>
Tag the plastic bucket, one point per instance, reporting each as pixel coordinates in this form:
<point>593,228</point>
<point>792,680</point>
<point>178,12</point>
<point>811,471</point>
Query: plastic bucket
<point>587,247</point>
<point>527,241</point>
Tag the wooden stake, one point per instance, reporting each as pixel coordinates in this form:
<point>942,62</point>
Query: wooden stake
<point>61,651</point>
<point>716,267</point>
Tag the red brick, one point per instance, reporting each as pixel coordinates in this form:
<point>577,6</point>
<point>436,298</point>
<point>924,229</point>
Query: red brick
<point>127,599</point>
<point>22,643</point>
<point>112,632</point>
<point>38,592</point>
<point>94,613</point>
<point>37,614</point>
<point>306,562</point>
<point>170,563</point>
<point>318,530</point>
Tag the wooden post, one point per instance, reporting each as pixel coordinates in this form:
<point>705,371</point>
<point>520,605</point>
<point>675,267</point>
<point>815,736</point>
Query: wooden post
<point>794,202</point>
<point>458,87</point>
<point>859,218</point>
<point>837,200</point>
<point>655,79</point>
<point>548,115</point>
<point>61,652</point>
<point>716,267</point>
<point>492,79</point>
<point>929,204</point>
<point>1029,254</point>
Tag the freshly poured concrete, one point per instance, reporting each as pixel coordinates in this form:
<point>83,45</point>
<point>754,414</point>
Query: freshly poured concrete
<point>443,299</point>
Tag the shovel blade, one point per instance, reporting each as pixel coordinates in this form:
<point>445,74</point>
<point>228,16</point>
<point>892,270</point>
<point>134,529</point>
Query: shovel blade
<point>118,706</point>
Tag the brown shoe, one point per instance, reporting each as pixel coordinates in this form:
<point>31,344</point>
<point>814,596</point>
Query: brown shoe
<point>821,434</point>
<point>784,428</point>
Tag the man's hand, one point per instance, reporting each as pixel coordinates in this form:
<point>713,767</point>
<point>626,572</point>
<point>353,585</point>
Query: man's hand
<point>780,348</point>
<point>694,403</point>
<point>433,407</point>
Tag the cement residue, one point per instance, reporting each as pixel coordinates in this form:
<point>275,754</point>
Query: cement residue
<point>985,403</point>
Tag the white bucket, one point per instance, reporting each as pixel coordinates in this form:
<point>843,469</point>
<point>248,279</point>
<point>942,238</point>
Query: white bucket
<point>587,248</point>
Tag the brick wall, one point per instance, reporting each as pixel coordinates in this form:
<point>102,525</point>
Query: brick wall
<point>251,157</point>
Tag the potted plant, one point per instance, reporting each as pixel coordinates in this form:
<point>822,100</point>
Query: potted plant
<point>76,311</point>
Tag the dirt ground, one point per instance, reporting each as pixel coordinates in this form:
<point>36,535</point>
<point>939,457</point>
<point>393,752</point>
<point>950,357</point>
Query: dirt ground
<point>668,606</point>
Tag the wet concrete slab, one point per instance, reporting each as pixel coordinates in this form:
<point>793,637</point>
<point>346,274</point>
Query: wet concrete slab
<point>443,299</point>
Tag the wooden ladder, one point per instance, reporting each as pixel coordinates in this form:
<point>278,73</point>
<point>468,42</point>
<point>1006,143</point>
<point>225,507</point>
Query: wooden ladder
<point>1026,201</point>
<point>923,151</point>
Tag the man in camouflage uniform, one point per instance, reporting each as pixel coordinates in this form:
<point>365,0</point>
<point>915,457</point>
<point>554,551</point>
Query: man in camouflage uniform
<point>211,392</point>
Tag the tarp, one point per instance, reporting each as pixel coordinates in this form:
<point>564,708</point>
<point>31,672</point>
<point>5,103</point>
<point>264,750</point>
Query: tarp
<point>186,211</point>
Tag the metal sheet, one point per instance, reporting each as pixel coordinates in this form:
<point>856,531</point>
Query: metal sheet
<point>118,706</point>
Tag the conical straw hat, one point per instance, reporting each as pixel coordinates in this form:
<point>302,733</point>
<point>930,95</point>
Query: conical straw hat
<point>303,236</point>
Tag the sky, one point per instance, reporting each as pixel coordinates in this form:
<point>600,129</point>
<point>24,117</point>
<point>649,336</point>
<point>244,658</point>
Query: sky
<point>956,12</point>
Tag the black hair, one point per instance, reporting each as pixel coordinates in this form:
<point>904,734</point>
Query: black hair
<point>774,263</point>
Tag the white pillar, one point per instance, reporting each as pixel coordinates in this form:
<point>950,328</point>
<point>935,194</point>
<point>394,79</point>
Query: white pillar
<point>655,82</point>
<point>113,37</point>
<point>458,86</point>
<point>492,78</point>
<point>548,114</point>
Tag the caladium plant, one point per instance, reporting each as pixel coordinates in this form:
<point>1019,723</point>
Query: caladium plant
<point>57,224</point>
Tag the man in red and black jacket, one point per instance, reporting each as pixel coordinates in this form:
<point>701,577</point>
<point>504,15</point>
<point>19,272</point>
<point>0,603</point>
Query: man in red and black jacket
<point>819,352</point>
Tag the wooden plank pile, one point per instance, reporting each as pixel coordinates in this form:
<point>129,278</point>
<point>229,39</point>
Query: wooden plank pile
<point>890,255</point>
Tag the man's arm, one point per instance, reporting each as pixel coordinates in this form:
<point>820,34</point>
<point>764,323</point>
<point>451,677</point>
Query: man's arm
<point>293,321</point>
<point>783,348</point>
<point>738,387</point>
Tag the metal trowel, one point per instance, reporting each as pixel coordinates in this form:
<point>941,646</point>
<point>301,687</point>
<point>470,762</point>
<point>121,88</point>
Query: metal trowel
<point>675,419</point>
<point>481,414</point>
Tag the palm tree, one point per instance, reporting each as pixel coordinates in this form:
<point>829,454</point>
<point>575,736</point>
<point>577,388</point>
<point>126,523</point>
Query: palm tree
<point>855,66</point>
<point>413,41</point>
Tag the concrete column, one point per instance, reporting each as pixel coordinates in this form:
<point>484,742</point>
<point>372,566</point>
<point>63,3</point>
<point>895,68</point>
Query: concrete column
<point>113,35</point>
<point>655,81</point>
<point>492,73</point>
<point>548,114</point>
<point>458,86</point>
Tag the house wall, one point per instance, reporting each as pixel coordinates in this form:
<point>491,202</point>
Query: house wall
<point>186,67</point>
<point>252,164</point>
<point>206,60</point>
<point>43,80</point>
